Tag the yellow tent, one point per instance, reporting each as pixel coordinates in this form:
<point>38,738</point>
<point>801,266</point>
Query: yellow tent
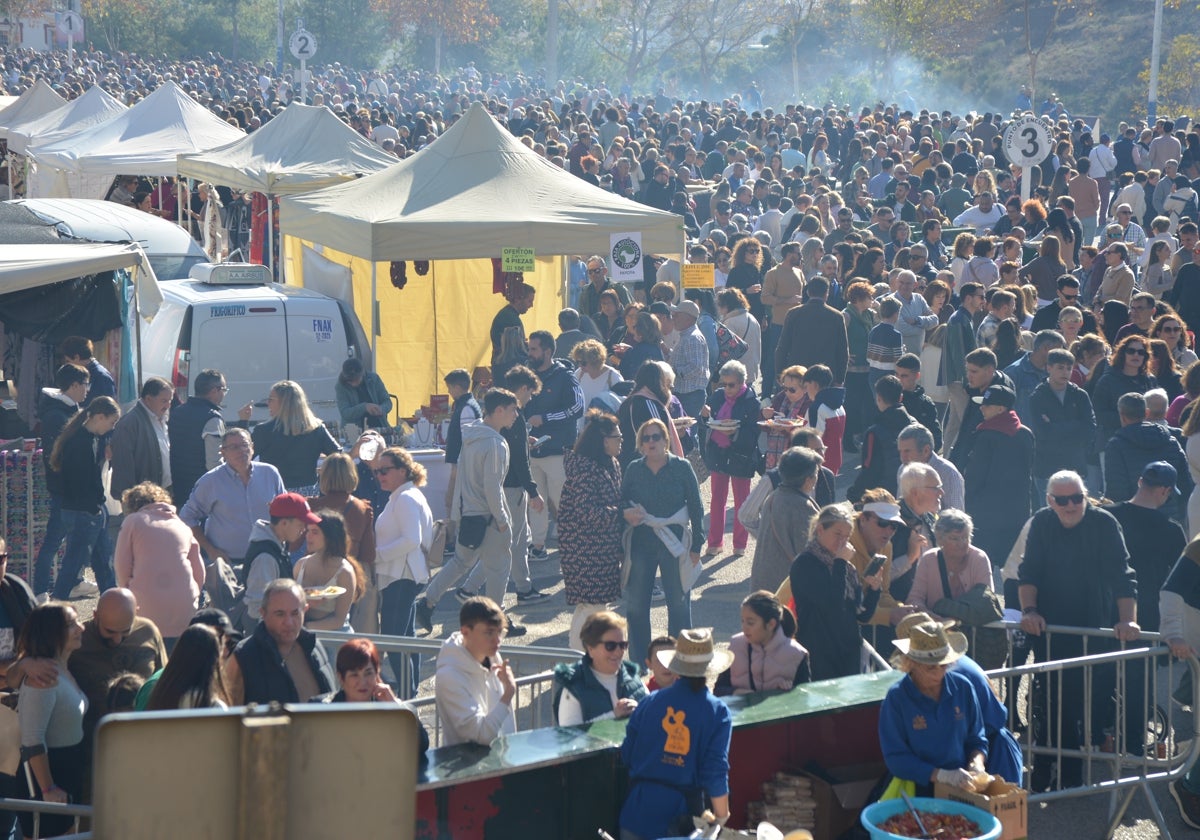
<point>436,323</point>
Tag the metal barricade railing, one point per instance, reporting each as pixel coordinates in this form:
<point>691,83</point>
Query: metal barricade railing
<point>524,659</point>
<point>1100,712</point>
<point>39,808</point>
<point>531,705</point>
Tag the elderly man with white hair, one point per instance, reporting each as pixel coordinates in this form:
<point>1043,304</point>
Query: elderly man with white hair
<point>915,443</point>
<point>920,496</point>
<point>1075,572</point>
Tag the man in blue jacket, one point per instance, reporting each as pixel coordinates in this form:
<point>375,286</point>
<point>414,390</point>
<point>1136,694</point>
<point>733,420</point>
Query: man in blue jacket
<point>552,413</point>
<point>1136,444</point>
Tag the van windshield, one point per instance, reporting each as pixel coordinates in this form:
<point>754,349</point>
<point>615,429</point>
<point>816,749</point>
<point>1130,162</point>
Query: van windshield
<point>174,266</point>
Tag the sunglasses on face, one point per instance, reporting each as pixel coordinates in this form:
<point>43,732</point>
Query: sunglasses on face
<point>1071,499</point>
<point>887,526</point>
<point>1070,297</point>
<point>653,437</point>
<point>611,646</point>
<point>382,470</point>
<point>1135,351</point>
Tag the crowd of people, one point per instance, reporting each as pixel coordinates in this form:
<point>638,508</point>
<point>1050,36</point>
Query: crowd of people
<point>1007,387</point>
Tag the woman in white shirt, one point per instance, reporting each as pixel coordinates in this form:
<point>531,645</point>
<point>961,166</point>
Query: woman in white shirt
<point>604,684</point>
<point>403,533</point>
<point>595,378</point>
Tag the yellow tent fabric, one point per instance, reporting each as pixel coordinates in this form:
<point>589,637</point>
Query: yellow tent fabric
<point>438,322</point>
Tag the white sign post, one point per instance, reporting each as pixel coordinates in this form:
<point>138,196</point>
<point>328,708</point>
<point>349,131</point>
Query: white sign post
<point>1026,143</point>
<point>303,46</point>
<point>68,24</point>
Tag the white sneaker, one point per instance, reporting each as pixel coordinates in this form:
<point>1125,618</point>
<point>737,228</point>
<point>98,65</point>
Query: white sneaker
<point>43,598</point>
<point>84,589</point>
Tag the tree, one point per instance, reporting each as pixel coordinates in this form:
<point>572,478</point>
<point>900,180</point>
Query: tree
<point>1178,86</point>
<point>717,29</point>
<point>1042,19</point>
<point>633,33</point>
<point>922,29</point>
<point>453,21</point>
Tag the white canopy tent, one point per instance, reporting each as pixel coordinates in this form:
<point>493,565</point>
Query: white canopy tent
<point>93,108</point>
<point>304,148</point>
<point>473,191</point>
<point>35,102</point>
<point>144,140</point>
<point>38,100</point>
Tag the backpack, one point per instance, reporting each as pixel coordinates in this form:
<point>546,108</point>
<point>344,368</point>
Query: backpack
<point>223,590</point>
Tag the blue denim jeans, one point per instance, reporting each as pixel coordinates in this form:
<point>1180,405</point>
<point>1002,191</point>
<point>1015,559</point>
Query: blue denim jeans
<point>396,618</point>
<point>637,596</point>
<point>56,532</point>
<point>87,541</point>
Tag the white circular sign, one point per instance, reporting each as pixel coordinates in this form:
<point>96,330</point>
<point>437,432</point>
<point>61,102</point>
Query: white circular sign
<point>69,23</point>
<point>1027,141</point>
<point>302,44</point>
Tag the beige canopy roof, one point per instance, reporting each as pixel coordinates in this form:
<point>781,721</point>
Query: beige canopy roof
<point>474,190</point>
<point>302,149</point>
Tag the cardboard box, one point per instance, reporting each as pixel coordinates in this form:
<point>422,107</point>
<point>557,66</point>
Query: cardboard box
<point>841,794</point>
<point>1003,800</point>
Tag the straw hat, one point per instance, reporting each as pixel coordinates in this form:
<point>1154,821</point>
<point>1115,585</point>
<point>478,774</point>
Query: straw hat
<point>932,643</point>
<point>694,655</point>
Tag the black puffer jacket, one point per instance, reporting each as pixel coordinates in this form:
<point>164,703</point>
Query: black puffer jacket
<point>740,458</point>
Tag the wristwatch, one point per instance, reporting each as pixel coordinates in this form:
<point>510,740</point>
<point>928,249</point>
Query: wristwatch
<point>1028,610</point>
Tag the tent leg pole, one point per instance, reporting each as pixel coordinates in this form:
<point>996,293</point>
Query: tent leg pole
<point>270,256</point>
<point>374,311</point>
<point>137,319</point>
<point>433,286</point>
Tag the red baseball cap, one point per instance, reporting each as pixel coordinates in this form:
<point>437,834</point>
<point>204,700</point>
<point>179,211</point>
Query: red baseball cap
<point>293,506</point>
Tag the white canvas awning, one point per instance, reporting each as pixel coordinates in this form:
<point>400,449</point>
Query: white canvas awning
<point>304,148</point>
<point>30,266</point>
<point>144,140</point>
<point>470,193</point>
<point>94,107</point>
<point>38,100</point>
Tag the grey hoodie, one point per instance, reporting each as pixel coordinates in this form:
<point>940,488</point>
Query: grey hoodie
<point>482,465</point>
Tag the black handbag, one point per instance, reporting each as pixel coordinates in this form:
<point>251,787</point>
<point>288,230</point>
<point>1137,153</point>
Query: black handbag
<point>472,529</point>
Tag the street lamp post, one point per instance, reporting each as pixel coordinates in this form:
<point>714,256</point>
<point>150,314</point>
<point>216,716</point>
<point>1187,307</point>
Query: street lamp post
<point>1155,47</point>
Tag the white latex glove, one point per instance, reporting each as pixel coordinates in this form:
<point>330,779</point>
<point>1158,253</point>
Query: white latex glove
<point>957,777</point>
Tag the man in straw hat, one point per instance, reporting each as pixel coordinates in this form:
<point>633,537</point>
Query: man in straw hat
<point>930,724</point>
<point>677,745</point>
<point>1004,753</point>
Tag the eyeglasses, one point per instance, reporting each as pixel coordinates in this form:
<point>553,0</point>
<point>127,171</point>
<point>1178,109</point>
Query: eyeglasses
<point>653,437</point>
<point>791,389</point>
<point>611,646</point>
<point>937,488</point>
<point>235,447</point>
<point>614,437</point>
<point>1070,297</point>
<point>728,385</point>
<point>382,470</point>
<point>1071,499</point>
<point>595,271</point>
<point>224,389</point>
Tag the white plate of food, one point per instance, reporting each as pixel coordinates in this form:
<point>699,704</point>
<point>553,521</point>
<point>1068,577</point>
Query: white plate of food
<point>684,422</point>
<point>724,425</point>
<point>324,593</point>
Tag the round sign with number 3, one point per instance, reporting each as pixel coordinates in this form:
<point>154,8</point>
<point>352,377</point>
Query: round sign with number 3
<point>1027,141</point>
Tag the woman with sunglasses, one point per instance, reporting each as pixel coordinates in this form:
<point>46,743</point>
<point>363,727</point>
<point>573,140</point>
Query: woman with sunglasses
<point>660,498</point>
<point>603,684</point>
<point>1171,329</point>
<point>787,410</point>
<point>1128,373</point>
<point>731,453</point>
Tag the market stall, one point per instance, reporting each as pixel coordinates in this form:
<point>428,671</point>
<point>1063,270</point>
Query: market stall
<point>455,204</point>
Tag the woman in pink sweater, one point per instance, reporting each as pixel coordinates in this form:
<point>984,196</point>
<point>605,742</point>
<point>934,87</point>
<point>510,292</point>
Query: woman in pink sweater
<point>158,559</point>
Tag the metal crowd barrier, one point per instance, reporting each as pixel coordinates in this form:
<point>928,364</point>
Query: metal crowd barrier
<point>1119,701</point>
<point>37,807</point>
<point>531,705</point>
<point>524,659</point>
